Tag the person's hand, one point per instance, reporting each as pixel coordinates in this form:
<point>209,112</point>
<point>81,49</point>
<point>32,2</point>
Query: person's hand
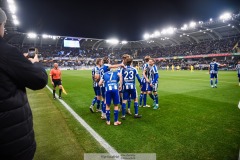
<point>151,84</point>
<point>147,80</point>
<point>122,65</point>
<point>35,59</point>
<point>52,83</point>
<point>25,54</point>
<point>120,88</point>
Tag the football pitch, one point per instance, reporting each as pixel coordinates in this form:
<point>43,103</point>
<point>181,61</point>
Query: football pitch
<point>194,121</point>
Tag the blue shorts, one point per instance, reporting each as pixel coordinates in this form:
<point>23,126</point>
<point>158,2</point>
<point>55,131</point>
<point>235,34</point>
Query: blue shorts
<point>129,93</point>
<point>97,91</point>
<point>154,88</point>
<point>145,85</point>
<point>112,95</point>
<point>103,92</point>
<point>238,75</point>
<point>213,75</point>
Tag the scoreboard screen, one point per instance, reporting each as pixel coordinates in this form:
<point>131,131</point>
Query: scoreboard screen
<point>71,43</point>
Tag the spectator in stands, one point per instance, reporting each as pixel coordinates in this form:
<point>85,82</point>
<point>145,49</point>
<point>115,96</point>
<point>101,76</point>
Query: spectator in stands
<point>17,141</point>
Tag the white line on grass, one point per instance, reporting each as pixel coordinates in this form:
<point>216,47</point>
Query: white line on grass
<point>95,135</point>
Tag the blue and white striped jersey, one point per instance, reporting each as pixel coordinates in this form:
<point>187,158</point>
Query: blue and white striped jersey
<point>95,71</point>
<point>111,80</point>
<point>129,73</point>
<point>105,68</point>
<point>153,74</point>
<point>146,68</point>
<point>213,68</point>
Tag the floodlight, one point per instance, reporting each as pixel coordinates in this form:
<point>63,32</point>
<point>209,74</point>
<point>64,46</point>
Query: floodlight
<point>192,24</point>
<point>124,42</point>
<point>152,36</point>
<point>45,36</point>
<point>146,36</point>
<point>164,31</point>
<point>156,33</point>
<point>10,1</point>
<point>184,27</point>
<point>32,35</point>
<point>113,41</point>
<point>14,16</point>
<point>225,16</point>
<point>170,30</point>
<point>16,22</point>
<point>12,8</point>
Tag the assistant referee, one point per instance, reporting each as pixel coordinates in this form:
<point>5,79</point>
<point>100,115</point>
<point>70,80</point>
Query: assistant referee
<point>55,76</point>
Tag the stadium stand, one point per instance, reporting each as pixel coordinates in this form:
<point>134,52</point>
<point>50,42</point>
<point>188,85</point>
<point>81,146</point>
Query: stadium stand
<point>196,46</point>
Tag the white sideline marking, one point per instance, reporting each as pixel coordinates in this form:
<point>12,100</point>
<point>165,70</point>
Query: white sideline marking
<point>95,135</point>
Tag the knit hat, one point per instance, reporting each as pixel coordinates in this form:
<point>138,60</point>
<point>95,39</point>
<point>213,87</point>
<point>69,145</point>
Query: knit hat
<point>3,16</point>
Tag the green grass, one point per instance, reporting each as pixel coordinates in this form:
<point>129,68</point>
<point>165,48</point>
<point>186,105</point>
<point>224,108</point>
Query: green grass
<point>58,135</point>
<point>194,121</point>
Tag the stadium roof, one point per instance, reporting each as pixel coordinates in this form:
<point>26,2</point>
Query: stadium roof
<point>198,32</point>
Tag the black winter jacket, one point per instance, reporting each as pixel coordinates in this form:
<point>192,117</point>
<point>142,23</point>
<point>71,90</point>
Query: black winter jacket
<point>17,141</point>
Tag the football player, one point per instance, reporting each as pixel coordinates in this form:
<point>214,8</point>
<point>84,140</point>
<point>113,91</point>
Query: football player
<point>129,88</point>
<point>96,87</point>
<point>213,71</point>
<point>144,83</point>
<point>110,80</point>
<point>105,68</point>
<point>153,87</point>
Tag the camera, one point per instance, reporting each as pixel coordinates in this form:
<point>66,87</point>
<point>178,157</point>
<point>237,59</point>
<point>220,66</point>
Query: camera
<point>32,52</point>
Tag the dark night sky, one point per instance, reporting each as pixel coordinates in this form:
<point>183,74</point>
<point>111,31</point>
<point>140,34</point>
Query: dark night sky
<point>125,20</point>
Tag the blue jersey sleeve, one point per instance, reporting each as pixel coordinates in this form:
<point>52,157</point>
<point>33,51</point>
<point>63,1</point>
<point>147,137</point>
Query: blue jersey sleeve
<point>139,79</point>
<point>155,78</point>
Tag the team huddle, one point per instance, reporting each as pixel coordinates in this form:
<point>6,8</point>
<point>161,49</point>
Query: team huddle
<point>116,83</point>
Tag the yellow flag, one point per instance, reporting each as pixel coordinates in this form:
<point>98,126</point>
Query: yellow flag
<point>63,90</point>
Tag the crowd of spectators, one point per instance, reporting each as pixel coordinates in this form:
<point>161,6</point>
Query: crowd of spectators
<point>206,47</point>
<point>74,57</point>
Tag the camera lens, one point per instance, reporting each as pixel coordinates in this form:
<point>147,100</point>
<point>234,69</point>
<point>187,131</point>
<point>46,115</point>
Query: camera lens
<point>31,54</point>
